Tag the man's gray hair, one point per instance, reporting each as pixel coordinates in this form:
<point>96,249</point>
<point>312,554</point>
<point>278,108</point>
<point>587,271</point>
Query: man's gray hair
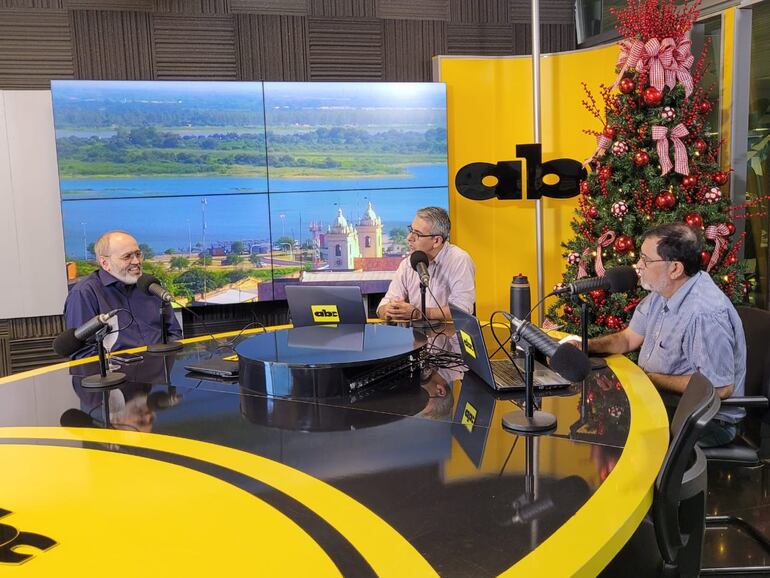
<point>102,245</point>
<point>438,219</point>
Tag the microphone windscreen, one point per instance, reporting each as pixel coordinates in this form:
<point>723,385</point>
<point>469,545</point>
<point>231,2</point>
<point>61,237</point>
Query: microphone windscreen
<point>418,257</point>
<point>570,362</point>
<point>145,280</point>
<point>622,279</point>
<point>66,343</point>
<point>76,418</point>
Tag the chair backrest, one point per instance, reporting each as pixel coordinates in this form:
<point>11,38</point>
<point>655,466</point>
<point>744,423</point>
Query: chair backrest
<point>683,466</point>
<point>756,326</point>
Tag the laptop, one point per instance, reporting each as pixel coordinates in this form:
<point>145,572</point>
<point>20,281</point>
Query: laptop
<point>500,374</point>
<point>314,304</point>
<point>215,366</point>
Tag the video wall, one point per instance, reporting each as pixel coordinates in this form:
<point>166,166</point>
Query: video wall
<point>235,189</point>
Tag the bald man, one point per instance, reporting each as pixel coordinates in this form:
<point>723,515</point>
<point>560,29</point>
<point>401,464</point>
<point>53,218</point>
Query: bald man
<point>113,286</point>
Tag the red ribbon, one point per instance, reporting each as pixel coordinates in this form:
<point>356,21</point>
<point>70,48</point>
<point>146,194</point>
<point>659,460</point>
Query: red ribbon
<point>604,241</point>
<point>660,134</point>
<point>602,144</point>
<point>631,51</point>
<point>718,234</point>
<point>549,325</point>
<point>667,61</point>
<point>582,271</point>
<point>658,57</point>
<point>679,70</point>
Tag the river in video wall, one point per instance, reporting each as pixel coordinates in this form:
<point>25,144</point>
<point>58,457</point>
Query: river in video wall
<point>235,189</point>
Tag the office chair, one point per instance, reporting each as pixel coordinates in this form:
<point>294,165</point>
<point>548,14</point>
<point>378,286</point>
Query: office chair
<point>750,448</point>
<point>669,540</point>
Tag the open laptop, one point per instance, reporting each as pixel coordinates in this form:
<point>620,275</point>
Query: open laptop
<point>500,374</point>
<point>314,304</point>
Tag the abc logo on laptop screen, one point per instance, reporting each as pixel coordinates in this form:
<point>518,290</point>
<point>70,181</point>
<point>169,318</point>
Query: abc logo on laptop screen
<point>325,313</point>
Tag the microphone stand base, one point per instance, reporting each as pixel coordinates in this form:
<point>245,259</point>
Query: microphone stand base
<point>540,423</point>
<point>162,348</point>
<point>98,381</point>
<point>597,363</point>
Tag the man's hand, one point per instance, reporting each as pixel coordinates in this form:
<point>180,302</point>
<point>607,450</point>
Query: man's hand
<point>400,310</point>
<point>572,340</point>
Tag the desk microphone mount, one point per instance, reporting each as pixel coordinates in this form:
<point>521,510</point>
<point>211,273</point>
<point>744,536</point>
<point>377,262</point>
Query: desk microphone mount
<point>423,323</point>
<point>529,422</point>
<point>102,379</point>
<point>596,362</point>
<point>165,346</point>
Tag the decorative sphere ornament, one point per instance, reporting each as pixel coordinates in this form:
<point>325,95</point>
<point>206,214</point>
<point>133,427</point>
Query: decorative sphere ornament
<point>665,201</point>
<point>619,148</point>
<point>626,85</point>
<point>573,258</point>
<point>652,96</point>
<point>712,195</point>
<point>569,309</point>
<point>731,259</point>
<point>641,158</point>
<point>705,259</point>
<point>668,113</point>
<point>619,209</point>
<point>700,145</point>
<point>705,107</point>
<point>592,213</point>
<point>730,228</point>
<point>689,181</point>
<point>610,132</point>
<point>693,219</point>
<point>583,187</point>
<point>720,177</point>
<point>624,244</point>
<point>605,173</point>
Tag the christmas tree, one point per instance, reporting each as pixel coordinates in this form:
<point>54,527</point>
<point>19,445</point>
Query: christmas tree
<point>656,162</point>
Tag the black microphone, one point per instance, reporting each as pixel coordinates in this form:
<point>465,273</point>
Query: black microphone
<point>615,280</point>
<point>69,341</point>
<point>77,418</point>
<point>419,261</point>
<point>150,284</point>
<point>566,360</point>
<point>566,496</point>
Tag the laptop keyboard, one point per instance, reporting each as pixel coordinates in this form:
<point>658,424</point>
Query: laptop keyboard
<point>505,374</point>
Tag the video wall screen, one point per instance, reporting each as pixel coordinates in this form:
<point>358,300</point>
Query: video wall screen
<point>236,189</point>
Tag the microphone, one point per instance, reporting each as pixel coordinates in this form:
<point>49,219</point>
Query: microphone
<point>566,360</point>
<point>615,280</point>
<point>419,261</point>
<point>77,418</point>
<point>70,340</point>
<point>150,284</point>
<point>566,496</point>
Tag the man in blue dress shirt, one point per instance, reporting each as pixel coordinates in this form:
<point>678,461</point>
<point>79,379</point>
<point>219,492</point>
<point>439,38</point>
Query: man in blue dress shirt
<point>686,324</point>
<point>113,286</point>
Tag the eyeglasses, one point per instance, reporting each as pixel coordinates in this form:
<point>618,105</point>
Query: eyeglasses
<point>645,261</point>
<point>129,256</point>
<point>418,234</point>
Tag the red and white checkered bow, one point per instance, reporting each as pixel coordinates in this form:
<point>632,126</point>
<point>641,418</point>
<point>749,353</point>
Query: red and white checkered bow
<point>631,51</point>
<point>549,325</point>
<point>602,144</point>
<point>679,70</point>
<point>718,234</point>
<point>657,58</point>
<point>660,134</point>
<point>604,241</point>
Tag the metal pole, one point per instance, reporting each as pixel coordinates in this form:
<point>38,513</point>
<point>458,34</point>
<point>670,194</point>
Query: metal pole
<point>536,130</point>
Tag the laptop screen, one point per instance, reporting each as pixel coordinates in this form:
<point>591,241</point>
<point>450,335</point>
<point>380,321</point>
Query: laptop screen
<point>315,304</point>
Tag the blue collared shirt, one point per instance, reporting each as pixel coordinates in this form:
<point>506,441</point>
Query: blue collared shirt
<point>100,292</point>
<point>697,329</point>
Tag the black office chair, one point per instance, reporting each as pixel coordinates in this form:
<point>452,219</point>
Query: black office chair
<point>676,522</point>
<point>753,445</point>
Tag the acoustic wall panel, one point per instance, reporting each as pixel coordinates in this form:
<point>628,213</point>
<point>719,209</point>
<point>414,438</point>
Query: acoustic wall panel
<point>345,49</point>
<point>272,47</point>
<point>187,47</point>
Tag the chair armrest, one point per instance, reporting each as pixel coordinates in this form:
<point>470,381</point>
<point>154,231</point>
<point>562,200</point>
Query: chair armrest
<point>748,401</point>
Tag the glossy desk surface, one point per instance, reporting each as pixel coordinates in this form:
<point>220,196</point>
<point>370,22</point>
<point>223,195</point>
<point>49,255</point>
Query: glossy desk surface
<point>202,476</point>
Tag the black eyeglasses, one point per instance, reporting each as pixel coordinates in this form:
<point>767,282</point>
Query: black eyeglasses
<point>418,234</point>
<point>647,261</point>
<point>128,256</point>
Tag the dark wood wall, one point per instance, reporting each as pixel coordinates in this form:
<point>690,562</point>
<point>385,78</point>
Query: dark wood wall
<point>388,40</point>
<point>299,40</point>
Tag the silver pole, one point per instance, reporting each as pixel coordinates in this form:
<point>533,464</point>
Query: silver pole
<point>536,128</point>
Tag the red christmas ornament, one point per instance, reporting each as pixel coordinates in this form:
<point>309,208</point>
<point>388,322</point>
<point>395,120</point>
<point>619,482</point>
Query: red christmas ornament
<point>700,145</point>
<point>689,181</point>
<point>705,258</point>
<point>605,173</point>
<point>626,85</point>
<point>610,132</point>
<point>592,213</point>
<point>693,219</point>
<point>599,296</point>
<point>641,158</point>
<point>720,177</point>
<point>652,96</point>
<point>583,187</point>
<point>705,107</point>
<point>730,228</point>
<point>624,244</point>
<point>731,259</point>
<point>665,201</point>
<point>568,309</point>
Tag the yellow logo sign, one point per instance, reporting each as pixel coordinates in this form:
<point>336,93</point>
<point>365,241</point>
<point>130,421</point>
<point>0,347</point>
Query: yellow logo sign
<point>469,417</point>
<point>325,313</point>
<point>467,344</point>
